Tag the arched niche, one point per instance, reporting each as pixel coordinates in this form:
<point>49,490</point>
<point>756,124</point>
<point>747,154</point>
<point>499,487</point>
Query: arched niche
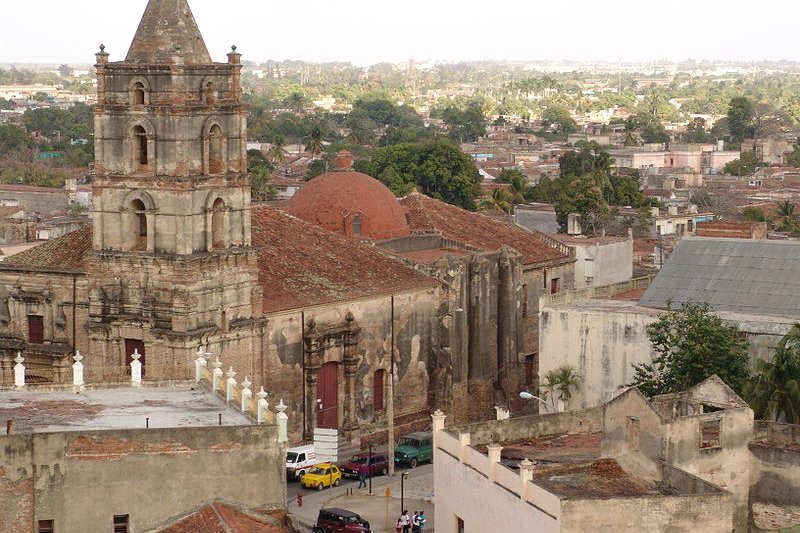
<point>215,148</point>
<point>138,225</point>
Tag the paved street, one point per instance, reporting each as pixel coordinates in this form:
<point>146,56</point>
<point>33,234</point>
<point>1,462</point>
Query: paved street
<point>418,492</point>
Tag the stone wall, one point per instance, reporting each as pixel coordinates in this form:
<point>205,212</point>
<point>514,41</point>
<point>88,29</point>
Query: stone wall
<point>775,466</point>
<point>526,427</point>
<point>672,514</point>
<point>82,479</point>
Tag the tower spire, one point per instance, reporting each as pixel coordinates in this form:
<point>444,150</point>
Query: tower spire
<point>168,35</point>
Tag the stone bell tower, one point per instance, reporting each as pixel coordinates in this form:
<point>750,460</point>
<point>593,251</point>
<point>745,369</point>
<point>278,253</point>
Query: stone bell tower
<point>172,265</point>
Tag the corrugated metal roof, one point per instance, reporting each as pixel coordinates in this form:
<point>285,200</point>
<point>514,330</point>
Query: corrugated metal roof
<point>743,276</point>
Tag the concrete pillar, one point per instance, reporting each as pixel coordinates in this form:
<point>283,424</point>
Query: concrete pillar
<point>311,402</point>
<point>77,372</point>
<point>136,369</point>
<point>283,422</point>
<point>247,394</point>
<point>438,425</point>
<point>216,375</point>
<point>495,451</point>
<point>263,405</point>
<point>19,371</point>
<point>463,440</point>
<point>230,385</point>
<point>526,476</point>
<point>199,365</point>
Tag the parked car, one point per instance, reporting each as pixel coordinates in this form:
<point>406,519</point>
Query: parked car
<point>299,459</point>
<point>377,463</point>
<point>321,476</point>
<point>414,448</point>
<point>335,520</point>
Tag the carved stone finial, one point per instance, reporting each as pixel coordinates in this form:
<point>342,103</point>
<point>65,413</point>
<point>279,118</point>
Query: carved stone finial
<point>233,48</point>
<point>281,407</point>
<point>246,383</point>
<point>102,48</point>
<point>230,373</point>
<point>78,357</point>
<point>136,355</point>
<point>19,359</point>
<point>217,363</point>
<point>262,394</point>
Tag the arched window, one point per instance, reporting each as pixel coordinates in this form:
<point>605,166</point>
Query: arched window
<point>138,94</point>
<point>140,146</point>
<point>218,225</point>
<point>357,225</point>
<point>215,159</point>
<point>210,93</point>
<point>377,390</point>
<point>138,227</point>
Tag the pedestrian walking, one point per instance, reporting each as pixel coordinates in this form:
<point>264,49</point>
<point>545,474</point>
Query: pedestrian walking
<point>423,518</point>
<point>405,521</point>
<point>415,522</point>
<point>363,471</point>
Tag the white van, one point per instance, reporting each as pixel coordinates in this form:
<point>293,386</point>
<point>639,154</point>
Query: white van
<point>299,459</point>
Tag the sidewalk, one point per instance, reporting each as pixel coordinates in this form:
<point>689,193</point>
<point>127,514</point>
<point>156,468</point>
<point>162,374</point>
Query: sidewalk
<point>376,508</point>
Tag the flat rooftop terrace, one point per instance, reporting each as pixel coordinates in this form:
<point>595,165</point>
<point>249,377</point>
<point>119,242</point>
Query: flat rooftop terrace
<point>110,409</point>
<point>553,450</point>
<point>600,479</point>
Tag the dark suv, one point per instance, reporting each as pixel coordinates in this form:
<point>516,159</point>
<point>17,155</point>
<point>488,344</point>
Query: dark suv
<point>335,520</point>
<point>377,463</point>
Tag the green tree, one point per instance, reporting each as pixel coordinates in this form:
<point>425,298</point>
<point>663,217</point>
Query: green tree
<point>792,158</point>
<point>696,131</point>
<point>13,138</point>
<point>559,120</point>
<point>740,119</point>
<point>560,383</point>
<point>754,214</point>
<point>786,217</point>
<point>692,344</point>
<point>296,101</point>
<point>314,145</point>
<point>465,125</point>
<point>438,168</point>
<point>499,199</point>
<point>774,390</point>
<point>277,153</point>
<point>316,168</point>
<point>590,157</point>
<point>6,104</point>
<point>747,163</point>
<point>583,195</point>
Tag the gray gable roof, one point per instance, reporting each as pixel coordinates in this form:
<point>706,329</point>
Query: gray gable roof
<point>756,277</point>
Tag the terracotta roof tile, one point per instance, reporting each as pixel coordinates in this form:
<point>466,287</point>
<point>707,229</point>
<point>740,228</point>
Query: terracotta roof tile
<point>475,229</point>
<point>301,264</point>
<point>67,252</point>
<point>221,518</point>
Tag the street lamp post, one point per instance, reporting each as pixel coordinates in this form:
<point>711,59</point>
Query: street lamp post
<point>369,465</point>
<point>403,476</point>
<point>525,395</point>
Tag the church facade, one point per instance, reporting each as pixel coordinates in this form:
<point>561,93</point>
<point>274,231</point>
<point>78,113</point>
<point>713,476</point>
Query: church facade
<point>177,260</point>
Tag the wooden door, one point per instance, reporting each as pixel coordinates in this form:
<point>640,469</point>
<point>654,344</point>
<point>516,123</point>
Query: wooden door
<point>328,393</point>
<point>130,346</point>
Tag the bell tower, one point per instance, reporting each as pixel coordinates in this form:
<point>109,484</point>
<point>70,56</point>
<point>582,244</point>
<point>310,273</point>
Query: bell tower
<point>172,263</point>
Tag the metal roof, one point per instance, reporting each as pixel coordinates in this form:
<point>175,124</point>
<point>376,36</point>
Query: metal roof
<point>758,277</point>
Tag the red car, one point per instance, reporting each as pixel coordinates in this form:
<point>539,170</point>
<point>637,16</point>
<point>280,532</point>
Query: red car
<point>377,464</point>
<point>335,520</point>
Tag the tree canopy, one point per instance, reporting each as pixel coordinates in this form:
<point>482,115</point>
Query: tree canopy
<point>437,168</point>
<point>774,390</point>
<point>692,344</point>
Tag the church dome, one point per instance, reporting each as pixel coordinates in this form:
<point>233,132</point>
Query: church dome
<point>350,203</point>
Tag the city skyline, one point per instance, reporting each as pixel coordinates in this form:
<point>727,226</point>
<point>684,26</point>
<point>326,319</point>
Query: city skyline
<point>361,33</point>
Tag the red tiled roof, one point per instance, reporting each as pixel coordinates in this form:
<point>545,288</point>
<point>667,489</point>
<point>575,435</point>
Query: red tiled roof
<point>67,252</point>
<point>221,518</point>
<point>475,229</point>
<point>301,264</point>
<point>8,187</point>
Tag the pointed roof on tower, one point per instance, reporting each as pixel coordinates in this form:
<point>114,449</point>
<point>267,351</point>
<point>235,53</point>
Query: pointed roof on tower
<point>168,35</point>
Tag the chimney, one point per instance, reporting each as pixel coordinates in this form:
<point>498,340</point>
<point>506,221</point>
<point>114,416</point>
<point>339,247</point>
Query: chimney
<point>344,160</point>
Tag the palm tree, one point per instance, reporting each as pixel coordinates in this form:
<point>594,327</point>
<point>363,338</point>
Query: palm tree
<point>774,390</point>
<point>560,383</point>
<point>786,216</point>
<point>518,187</point>
<point>498,200</point>
<point>296,102</point>
<point>315,146</point>
<point>277,154</point>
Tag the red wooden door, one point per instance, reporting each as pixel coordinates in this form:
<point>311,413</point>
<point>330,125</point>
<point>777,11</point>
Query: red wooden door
<point>130,346</point>
<point>328,393</point>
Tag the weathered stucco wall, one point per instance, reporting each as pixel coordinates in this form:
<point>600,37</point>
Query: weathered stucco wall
<point>82,479</point>
<point>414,339</point>
<point>775,464</point>
<point>526,427</point>
<point>600,264</point>
<point>673,514</point>
<point>601,344</point>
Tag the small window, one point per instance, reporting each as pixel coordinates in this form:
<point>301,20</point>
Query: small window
<point>555,285</point>
<point>138,94</point>
<point>632,432</point>
<point>525,301</point>
<point>530,366</point>
<point>710,434</point>
<point>46,526</point>
<point>121,523</point>
<point>357,225</point>
<point>35,329</point>
<point>459,525</point>
<point>301,458</point>
<point>140,142</point>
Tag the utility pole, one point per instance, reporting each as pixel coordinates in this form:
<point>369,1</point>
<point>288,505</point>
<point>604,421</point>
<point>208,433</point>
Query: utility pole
<point>390,394</point>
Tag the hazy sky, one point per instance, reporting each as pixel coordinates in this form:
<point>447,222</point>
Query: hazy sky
<point>365,32</point>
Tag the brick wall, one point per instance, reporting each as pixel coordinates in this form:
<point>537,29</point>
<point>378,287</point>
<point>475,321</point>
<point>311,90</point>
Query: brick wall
<point>734,230</point>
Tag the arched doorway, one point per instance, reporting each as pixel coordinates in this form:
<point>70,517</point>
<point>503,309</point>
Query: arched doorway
<point>328,396</point>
